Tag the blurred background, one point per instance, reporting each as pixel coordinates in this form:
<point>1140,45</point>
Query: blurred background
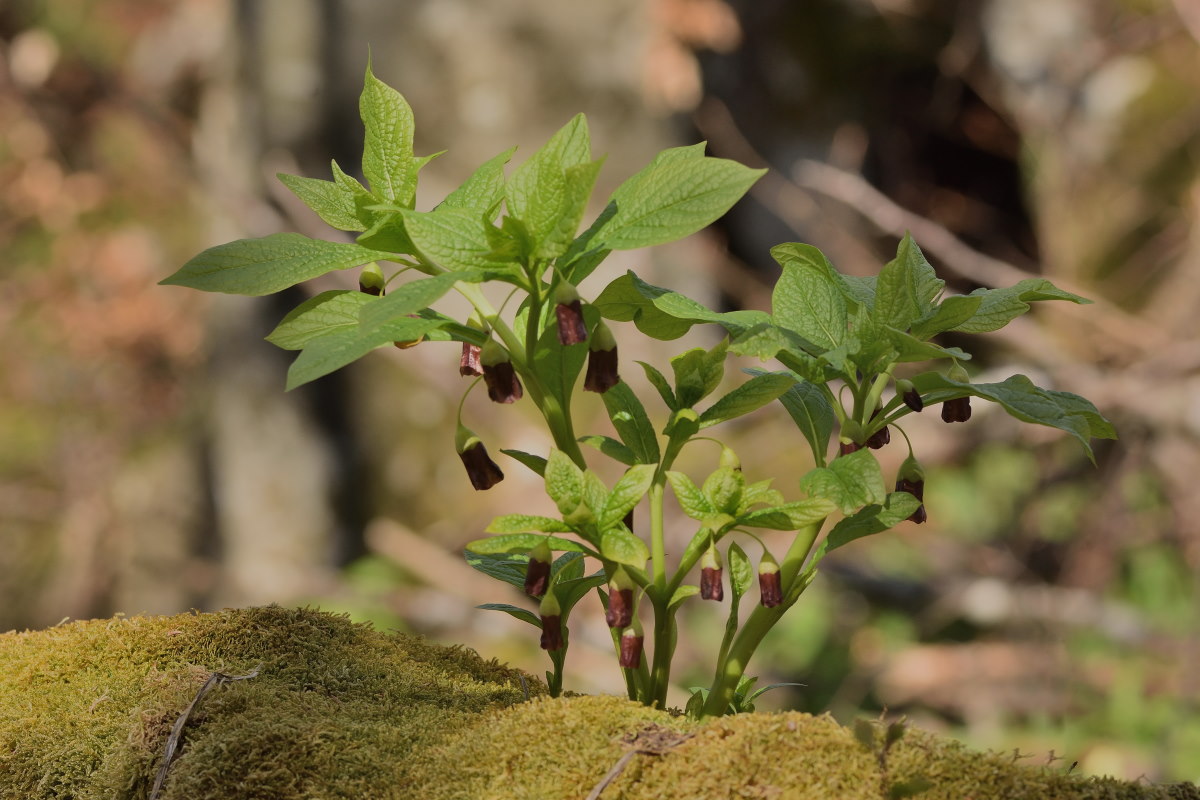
<point>150,461</point>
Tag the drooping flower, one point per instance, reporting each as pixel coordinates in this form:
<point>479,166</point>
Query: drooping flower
<point>482,471</point>
<point>503,385</point>
<point>602,361</point>
<point>909,394</point>
<point>710,575</point>
<point>569,310</point>
<point>551,617</point>
<point>537,573</point>
<point>958,409</point>
<point>371,280</point>
<point>770,592</point>
<point>620,599</point>
<point>911,479</point>
<point>632,640</point>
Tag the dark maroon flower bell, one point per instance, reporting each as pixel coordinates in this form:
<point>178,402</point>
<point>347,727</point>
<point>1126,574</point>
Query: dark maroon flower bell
<point>551,617</point>
<point>602,361</point>
<point>482,471</point>
<point>569,311</point>
<point>537,573</point>
<point>770,592</point>
<point>710,575</point>
<point>911,479</point>
<point>371,280</point>
<point>956,410</point>
<point>620,600</point>
<point>632,641</point>
<point>503,385</point>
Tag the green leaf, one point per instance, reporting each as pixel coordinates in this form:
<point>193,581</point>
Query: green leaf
<point>910,348</point>
<point>525,523</point>
<point>871,519</point>
<point>523,543</point>
<point>564,481</point>
<point>906,288</point>
<point>535,463</point>
<point>998,307</point>
<point>611,448</point>
<point>328,312</point>
<point>388,162</point>
<point>507,567</point>
<point>682,593</point>
<point>626,493</point>
<point>408,298</point>
<point>257,267</point>
<point>1027,402</point>
<point>659,382</point>
<point>545,198</point>
<point>623,547</point>
<point>673,197</point>
<point>630,299</point>
<point>850,482</point>
<point>691,500</point>
<point>325,354</point>
<point>856,291</point>
<point>810,409</point>
<point>569,593</point>
<point>453,238</point>
<point>751,395</point>
<point>483,192</point>
<point>522,614</point>
<point>741,572</point>
<point>331,201</point>
<point>633,426</point>
<point>595,493</point>
<point>949,314</point>
<point>809,301</point>
<point>680,307</point>
<point>790,516</point>
<point>698,373</point>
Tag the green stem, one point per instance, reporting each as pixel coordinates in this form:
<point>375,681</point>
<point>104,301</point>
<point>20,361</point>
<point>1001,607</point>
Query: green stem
<point>729,671</point>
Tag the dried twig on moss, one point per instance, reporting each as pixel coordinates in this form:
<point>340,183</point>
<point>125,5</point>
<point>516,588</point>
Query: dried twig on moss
<point>653,740</point>
<point>216,679</point>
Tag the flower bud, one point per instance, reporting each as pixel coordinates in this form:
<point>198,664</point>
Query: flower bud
<point>602,361</point>
<point>710,575</point>
<point>730,459</point>
<point>770,593</point>
<point>910,395</point>
<point>482,471</point>
<point>551,614</point>
<point>620,599</point>
<point>632,640</point>
<point>911,479</point>
<point>537,574</point>
<point>571,327</point>
<point>371,280</point>
<point>503,385</point>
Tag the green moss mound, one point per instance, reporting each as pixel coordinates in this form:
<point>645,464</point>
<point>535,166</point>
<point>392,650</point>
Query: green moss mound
<point>339,710</point>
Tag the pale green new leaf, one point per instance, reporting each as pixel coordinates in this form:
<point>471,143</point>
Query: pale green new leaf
<point>483,192</point>
<point>564,481</point>
<point>257,267</point>
<point>950,313</point>
<point>526,523</point>
<point>523,543</point>
<point>621,546</point>
<point>626,494</point>
<point>331,201</point>
<point>537,193</point>
<point>698,373</point>
<point>328,312</point>
<point>790,516</point>
<point>453,238</point>
<point>691,500</point>
<point>741,571</point>
<point>388,162</point>
<point>850,481</point>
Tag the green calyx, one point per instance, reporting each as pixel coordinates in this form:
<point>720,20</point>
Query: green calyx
<point>730,459</point>
<point>371,280</point>
<point>910,470</point>
<point>621,581</point>
<point>565,294</point>
<point>493,353</point>
<point>465,439</point>
<point>550,606</point>
<point>541,552</point>
<point>958,374</point>
<point>602,338</point>
<point>711,558</point>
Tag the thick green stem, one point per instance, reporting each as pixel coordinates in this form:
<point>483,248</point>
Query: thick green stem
<point>729,671</point>
<point>664,650</point>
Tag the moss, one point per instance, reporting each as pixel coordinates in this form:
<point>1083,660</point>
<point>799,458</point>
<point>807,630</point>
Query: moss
<point>339,710</point>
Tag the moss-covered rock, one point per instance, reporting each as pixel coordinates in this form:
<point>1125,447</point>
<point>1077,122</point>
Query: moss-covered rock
<point>338,710</point>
